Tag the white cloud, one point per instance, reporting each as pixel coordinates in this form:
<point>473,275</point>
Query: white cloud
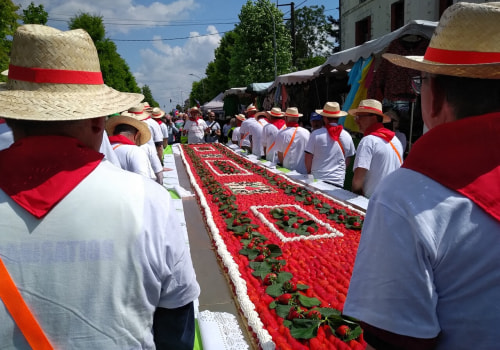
<point>166,69</point>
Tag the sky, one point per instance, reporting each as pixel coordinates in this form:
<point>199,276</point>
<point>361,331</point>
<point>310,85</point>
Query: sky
<point>166,44</point>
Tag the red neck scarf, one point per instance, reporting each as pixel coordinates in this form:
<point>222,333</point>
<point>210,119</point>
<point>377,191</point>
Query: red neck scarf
<point>39,171</point>
<point>443,152</point>
<point>334,131</point>
<point>279,123</point>
<point>2,120</point>
<point>292,124</point>
<point>120,139</point>
<point>378,129</point>
<point>193,119</point>
<point>158,121</point>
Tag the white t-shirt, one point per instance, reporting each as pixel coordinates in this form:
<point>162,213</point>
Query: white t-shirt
<point>150,150</point>
<point>245,131</point>
<point>294,158</point>
<point>196,132</point>
<point>268,139</point>
<point>379,158</point>
<point>213,127</point>
<point>428,262</point>
<point>133,158</point>
<point>108,152</point>
<point>154,127</point>
<point>328,161</point>
<point>164,130</point>
<point>95,268</point>
<point>256,136</point>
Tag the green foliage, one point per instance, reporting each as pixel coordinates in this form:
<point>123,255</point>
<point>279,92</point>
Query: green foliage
<point>148,96</point>
<point>312,36</point>
<point>115,70</point>
<point>91,23</point>
<point>35,14</point>
<point>217,72</point>
<point>8,25</point>
<point>252,58</point>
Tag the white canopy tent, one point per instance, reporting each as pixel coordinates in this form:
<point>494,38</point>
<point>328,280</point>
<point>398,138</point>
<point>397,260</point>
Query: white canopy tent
<point>345,59</point>
<point>217,103</point>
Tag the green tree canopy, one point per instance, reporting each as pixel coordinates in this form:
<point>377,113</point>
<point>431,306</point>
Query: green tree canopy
<point>312,37</point>
<point>253,54</point>
<point>115,71</point>
<point>8,25</point>
<point>35,14</point>
<point>148,96</point>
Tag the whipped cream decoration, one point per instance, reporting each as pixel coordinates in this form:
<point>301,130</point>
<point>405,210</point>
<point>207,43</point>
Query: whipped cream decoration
<point>283,238</point>
<point>246,305</point>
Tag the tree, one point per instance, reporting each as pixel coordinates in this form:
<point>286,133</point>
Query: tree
<point>334,31</point>
<point>35,14</point>
<point>148,96</point>
<point>8,25</point>
<point>312,37</point>
<point>253,54</point>
<point>115,71</point>
<point>217,71</point>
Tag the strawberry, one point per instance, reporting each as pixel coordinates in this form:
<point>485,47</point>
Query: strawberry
<point>295,225</point>
<point>260,258</point>
<point>286,218</point>
<point>290,286</point>
<point>343,331</point>
<point>270,278</point>
<point>309,198</point>
<point>356,224</point>
<point>245,236</point>
<point>341,217</point>
<point>319,205</point>
<point>285,298</point>
<point>314,315</point>
<point>293,313</point>
<point>310,229</point>
<point>332,211</point>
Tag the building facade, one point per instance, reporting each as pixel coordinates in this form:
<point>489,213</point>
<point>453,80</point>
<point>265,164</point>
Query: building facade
<point>364,20</point>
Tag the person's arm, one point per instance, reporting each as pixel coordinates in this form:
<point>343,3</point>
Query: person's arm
<point>174,328</point>
<point>159,150</point>
<point>308,160</point>
<point>358,180</point>
<point>348,161</point>
<point>280,158</point>
<point>159,177</point>
<point>377,338</point>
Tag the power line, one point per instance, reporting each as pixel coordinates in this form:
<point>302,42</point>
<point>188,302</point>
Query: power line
<point>150,24</point>
<point>168,39</point>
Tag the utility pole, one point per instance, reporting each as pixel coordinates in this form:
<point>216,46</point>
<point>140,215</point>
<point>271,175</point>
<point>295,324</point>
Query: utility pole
<point>292,21</point>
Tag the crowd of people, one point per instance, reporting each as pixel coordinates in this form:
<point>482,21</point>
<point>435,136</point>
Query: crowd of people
<point>91,256</point>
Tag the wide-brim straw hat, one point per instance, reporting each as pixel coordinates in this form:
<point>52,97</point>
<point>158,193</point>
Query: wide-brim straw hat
<point>331,110</point>
<point>147,107</point>
<point>370,106</point>
<point>55,75</point>
<point>293,112</point>
<point>157,113</point>
<point>139,112</point>
<point>251,109</point>
<point>194,110</point>
<point>144,133</point>
<point>276,112</point>
<point>466,43</point>
<point>241,117</point>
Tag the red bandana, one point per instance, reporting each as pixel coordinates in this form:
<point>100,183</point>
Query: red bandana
<point>39,171</point>
<point>2,120</point>
<point>334,131</point>
<point>194,120</point>
<point>443,154</point>
<point>279,123</point>
<point>378,129</point>
<point>158,121</point>
<point>292,124</point>
<point>120,139</point>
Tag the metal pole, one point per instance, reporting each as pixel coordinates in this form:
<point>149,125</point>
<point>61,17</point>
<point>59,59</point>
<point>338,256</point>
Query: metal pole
<point>202,83</point>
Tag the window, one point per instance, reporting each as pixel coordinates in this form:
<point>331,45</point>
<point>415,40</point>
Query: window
<point>363,31</point>
<point>397,15</point>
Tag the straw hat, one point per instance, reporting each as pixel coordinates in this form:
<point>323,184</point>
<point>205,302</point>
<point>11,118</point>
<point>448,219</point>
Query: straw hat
<point>466,43</point>
<point>251,108</point>
<point>139,112</point>
<point>194,110</point>
<point>293,112</point>
<point>55,75</point>
<point>147,107</point>
<point>276,112</point>
<point>240,117</point>
<point>331,110</point>
<point>370,106</point>
<point>142,127</point>
<point>157,113</point>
